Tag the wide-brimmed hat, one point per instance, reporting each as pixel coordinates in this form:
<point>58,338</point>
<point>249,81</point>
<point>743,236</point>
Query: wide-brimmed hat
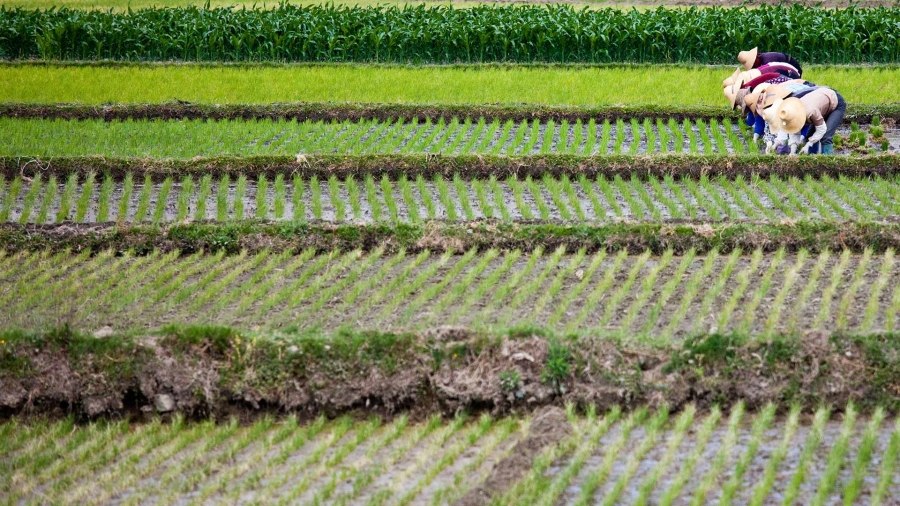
<point>768,114</point>
<point>747,76</point>
<point>734,94</point>
<point>732,78</point>
<point>748,58</point>
<point>791,115</point>
<point>752,98</point>
<point>776,91</point>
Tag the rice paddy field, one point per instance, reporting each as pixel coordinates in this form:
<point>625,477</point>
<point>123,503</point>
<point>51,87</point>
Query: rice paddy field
<point>435,253</point>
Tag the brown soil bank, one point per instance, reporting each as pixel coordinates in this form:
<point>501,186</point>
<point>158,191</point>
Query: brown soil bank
<point>466,166</point>
<point>211,371</point>
<point>329,111</point>
<point>679,236</point>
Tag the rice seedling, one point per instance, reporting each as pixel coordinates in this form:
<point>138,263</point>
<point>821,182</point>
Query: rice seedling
<point>822,195</point>
<point>387,193</point>
<point>605,131</point>
<point>677,136</point>
<point>222,198</point>
<point>585,276</point>
<point>444,196</point>
<point>460,134</point>
<point>578,138</point>
<point>427,197</point>
<point>33,191</point>
<point>556,285</point>
<point>518,195</point>
<point>738,197</point>
<point>388,288</point>
<point>648,485</point>
<point>535,190</point>
<point>428,453</point>
<point>499,200</point>
<point>666,293</point>
<point>203,197</point>
<point>184,199</point>
<point>162,201</point>
<point>527,290</point>
<point>9,199</point>
<point>638,187</point>
<point>836,456</point>
<point>782,187</point>
<point>262,201</point>
<point>65,200</point>
<point>853,488</point>
<point>635,145</point>
<point>463,285</point>
<point>315,189</point>
<point>850,292</point>
<point>693,287</point>
<point>660,195</point>
<point>717,287</point>
<point>271,488</point>
<point>737,147</point>
<point>620,137</point>
<point>775,309</point>
<point>828,294</point>
<point>412,207</point>
<point>49,197</point>
<point>547,489</point>
<point>722,456</point>
<point>597,293</point>
<point>362,432</point>
<point>813,440</point>
<point>646,291</point>
<point>888,462</point>
<point>327,293</point>
<point>691,136</point>
<point>717,198</point>
<point>717,136</point>
<point>760,425</point>
<point>611,453</point>
<point>334,196</point>
<point>599,212</point>
<point>638,453</point>
<point>462,195</point>
<point>433,290</point>
<point>694,189</point>
<point>874,302</point>
<point>687,467</point>
<point>503,291</point>
<point>547,141</point>
<point>765,284</point>
<point>488,282</point>
<point>213,290</point>
<point>752,194</point>
<point>555,190</point>
<point>637,211</point>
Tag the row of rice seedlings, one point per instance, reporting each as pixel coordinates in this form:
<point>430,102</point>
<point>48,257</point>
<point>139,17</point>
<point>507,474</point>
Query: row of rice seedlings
<point>427,461</point>
<point>191,138</point>
<point>762,422</point>
<point>159,285</point>
<point>644,200</point>
<point>717,466</point>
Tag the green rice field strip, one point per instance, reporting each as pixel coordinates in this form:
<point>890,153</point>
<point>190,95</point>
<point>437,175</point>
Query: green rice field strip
<point>99,198</point>
<point>544,85</point>
<point>453,136</point>
<point>653,299</point>
<point>608,458</point>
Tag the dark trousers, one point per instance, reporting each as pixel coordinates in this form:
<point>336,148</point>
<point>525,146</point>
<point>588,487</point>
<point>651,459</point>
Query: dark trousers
<point>833,121</point>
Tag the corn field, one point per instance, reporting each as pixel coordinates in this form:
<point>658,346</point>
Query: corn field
<point>439,34</point>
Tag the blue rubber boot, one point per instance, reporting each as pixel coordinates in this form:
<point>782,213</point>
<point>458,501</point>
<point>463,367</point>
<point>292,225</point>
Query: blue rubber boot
<point>827,149</point>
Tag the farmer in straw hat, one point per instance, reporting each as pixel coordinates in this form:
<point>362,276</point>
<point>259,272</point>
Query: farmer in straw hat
<point>768,102</point>
<point>821,109</point>
<point>749,82</point>
<point>754,59</point>
<point>784,69</point>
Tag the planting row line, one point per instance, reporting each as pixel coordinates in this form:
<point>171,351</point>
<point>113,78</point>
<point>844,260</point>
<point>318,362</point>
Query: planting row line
<point>100,199</point>
<point>641,298</point>
<point>642,457</point>
<point>190,138</point>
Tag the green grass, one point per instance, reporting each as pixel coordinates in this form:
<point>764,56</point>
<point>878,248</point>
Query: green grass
<point>639,85</point>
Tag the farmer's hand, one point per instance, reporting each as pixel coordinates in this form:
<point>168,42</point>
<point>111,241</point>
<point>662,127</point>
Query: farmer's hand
<point>805,148</point>
<point>770,147</point>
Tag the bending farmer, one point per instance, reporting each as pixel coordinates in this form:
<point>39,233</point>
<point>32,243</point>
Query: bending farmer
<point>754,59</point>
<point>822,108</point>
